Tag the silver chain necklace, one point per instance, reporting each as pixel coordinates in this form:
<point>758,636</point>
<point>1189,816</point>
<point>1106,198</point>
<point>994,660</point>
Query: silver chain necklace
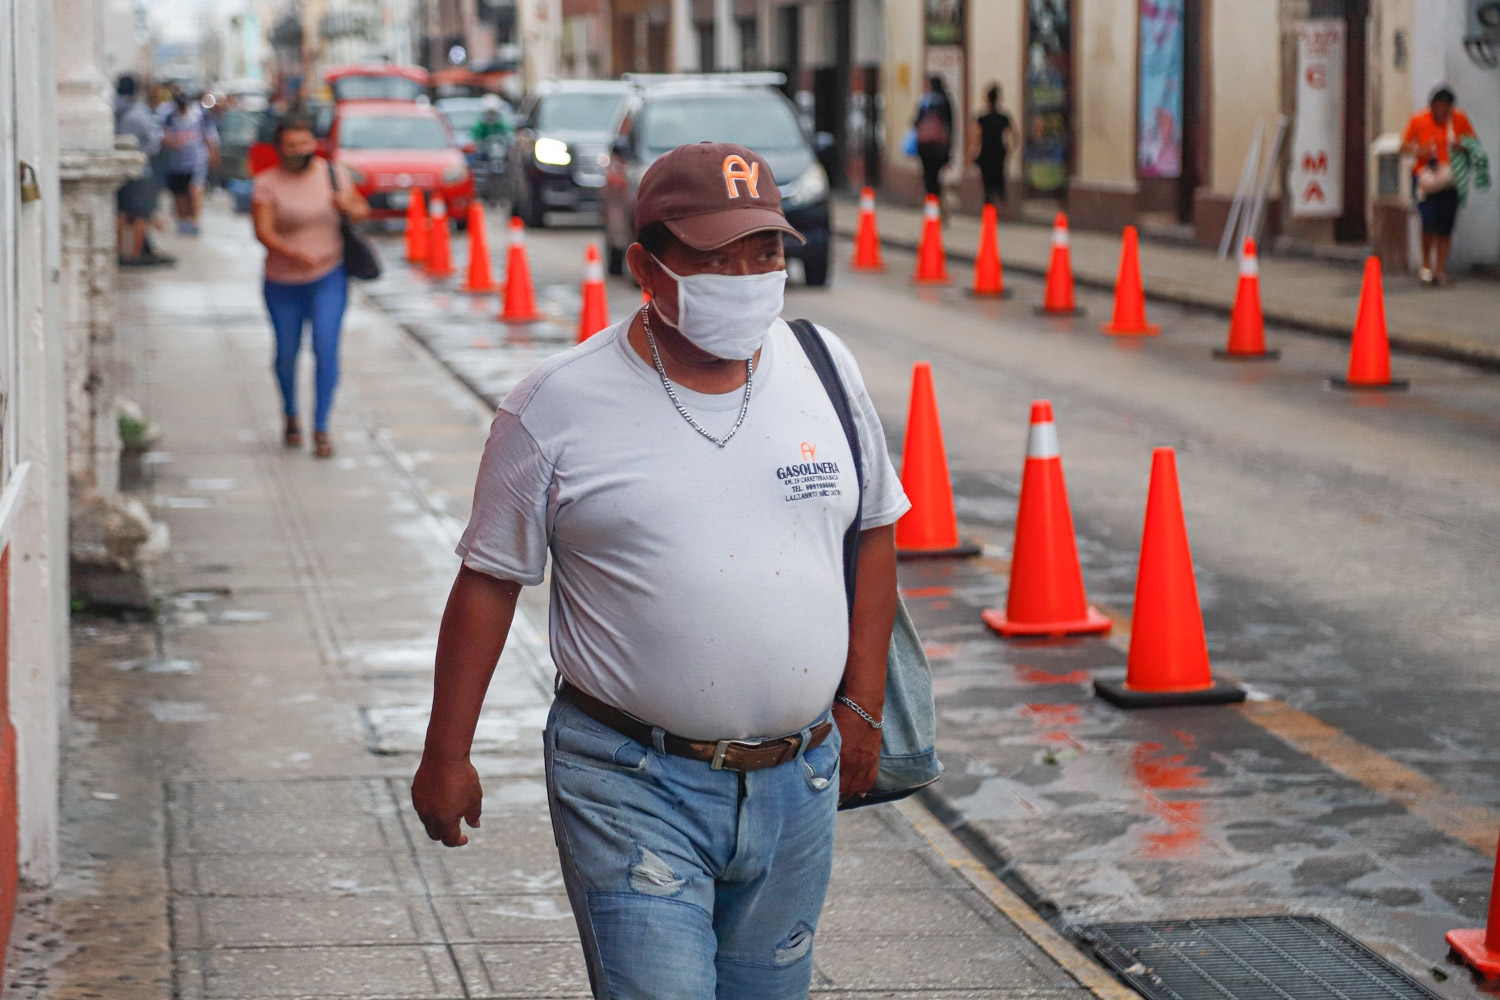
<point>666,384</point>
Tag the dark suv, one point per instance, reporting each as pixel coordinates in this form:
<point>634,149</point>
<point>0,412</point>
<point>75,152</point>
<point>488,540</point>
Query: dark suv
<point>743,108</point>
<point>561,148</point>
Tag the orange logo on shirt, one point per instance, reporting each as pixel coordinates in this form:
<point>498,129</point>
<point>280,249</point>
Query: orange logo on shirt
<point>736,170</point>
<point>809,451</point>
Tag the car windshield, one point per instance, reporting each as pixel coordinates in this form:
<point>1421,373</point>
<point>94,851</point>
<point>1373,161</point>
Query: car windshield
<point>577,112</point>
<point>376,88</point>
<point>763,122</point>
<point>462,119</point>
<point>392,132</point>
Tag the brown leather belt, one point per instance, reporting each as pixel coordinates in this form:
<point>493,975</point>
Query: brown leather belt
<point>725,755</point>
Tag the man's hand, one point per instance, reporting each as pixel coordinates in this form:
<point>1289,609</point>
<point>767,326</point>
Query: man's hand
<point>859,761</point>
<point>444,792</point>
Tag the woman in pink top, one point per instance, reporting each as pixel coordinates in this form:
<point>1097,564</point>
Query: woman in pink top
<point>296,212</point>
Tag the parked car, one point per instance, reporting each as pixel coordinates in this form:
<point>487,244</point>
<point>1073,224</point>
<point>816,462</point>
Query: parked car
<point>390,147</point>
<point>562,147</point>
<point>741,108</point>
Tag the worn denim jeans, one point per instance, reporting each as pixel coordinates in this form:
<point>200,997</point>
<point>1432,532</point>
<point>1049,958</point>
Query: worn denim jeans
<point>690,883</point>
<point>320,304</point>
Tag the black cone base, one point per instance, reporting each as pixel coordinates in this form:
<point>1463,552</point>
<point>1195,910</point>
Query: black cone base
<point>1394,385</point>
<point>965,550</point>
<point>1117,694</point>
<point>1079,311</point>
<point>1270,354</point>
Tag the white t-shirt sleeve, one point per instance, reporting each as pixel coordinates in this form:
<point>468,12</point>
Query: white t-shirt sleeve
<point>510,526</point>
<point>884,500</point>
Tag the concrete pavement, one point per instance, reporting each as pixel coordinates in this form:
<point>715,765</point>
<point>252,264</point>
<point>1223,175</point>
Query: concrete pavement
<point>1318,296</point>
<point>236,817</point>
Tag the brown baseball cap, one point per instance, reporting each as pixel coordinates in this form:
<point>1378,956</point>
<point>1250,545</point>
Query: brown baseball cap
<point>711,193</point>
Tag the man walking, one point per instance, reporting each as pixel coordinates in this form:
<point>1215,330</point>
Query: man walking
<point>716,696</point>
<point>192,142</point>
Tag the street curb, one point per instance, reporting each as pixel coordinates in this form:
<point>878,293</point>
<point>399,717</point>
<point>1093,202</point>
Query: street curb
<point>1473,353</point>
<point>1017,910</point>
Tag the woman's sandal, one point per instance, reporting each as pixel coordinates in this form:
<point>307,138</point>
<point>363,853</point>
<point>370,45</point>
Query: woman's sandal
<point>322,445</point>
<point>292,436</point>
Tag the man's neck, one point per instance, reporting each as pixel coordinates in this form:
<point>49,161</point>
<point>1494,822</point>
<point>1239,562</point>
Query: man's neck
<point>685,364</point>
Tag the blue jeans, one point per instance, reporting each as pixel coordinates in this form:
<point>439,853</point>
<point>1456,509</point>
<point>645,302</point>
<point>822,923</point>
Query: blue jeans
<point>686,882</point>
<point>292,307</point>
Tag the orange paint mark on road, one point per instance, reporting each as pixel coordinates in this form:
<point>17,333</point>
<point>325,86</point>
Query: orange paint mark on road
<point>1053,715</point>
<point>1031,675</point>
<point>939,651</point>
<point>1154,771</point>
<point>920,592</point>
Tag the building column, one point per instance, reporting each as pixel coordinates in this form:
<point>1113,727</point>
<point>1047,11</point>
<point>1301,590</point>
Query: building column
<point>684,38</point>
<point>726,37</point>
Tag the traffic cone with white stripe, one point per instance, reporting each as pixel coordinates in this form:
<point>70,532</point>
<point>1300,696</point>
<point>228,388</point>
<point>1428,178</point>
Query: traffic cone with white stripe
<point>520,296</point>
<point>416,227</point>
<point>932,259</point>
<point>1058,298</point>
<point>867,236</point>
<point>1480,948</point>
<point>1046,581</point>
<point>1130,295</point>
<point>439,242</point>
<point>1247,324</point>
<point>930,528</point>
<point>594,316</point>
<point>480,278</point>
<point>1370,348</point>
<point>1168,662</point>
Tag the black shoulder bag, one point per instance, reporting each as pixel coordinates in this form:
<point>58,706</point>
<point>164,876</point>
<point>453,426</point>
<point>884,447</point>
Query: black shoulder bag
<point>908,735</point>
<point>360,259</point>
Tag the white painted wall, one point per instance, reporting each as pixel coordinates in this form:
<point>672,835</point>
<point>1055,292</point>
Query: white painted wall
<point>997,46</point>
<point>1438,57</point>
<point>1105,38</point>
<point>1245,82</point>
<point>901,76</point>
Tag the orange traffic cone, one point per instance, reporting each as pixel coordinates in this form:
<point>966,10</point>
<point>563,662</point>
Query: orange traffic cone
<point>594,316</point>
<point>1370,352</point>
<point>1168,662</point>
<point>867,236</point>
<point>1130,297</point>
<point>480,278</point>
<point>989,277</point>
<point>1480,949</point>
<point>520,297</point>
<point>439,242</point>
<point>932,260</point>
<point>1046,581</point>
<point>416,227</point>
<point>1058,298</point>
<point>930,528</point>
<point>1247,325</point>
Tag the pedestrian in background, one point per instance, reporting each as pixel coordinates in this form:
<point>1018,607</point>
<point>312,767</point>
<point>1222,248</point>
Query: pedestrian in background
<point>934,131</point>
<point>994,132</point>
<point>135,201</point>
<point>1433,137</point>
<point>716,695</point>
<point>297,215</point>
<point>192,144</point>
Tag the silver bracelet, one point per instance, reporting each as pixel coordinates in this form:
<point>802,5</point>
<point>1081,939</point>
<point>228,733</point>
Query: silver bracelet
<point>849,702</point>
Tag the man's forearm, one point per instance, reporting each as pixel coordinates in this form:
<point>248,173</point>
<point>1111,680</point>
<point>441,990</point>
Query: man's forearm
<point>870,624</point>
<point>470,640</point>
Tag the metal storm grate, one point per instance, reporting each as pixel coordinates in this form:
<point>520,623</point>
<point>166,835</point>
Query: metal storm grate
<point>1249,958</point>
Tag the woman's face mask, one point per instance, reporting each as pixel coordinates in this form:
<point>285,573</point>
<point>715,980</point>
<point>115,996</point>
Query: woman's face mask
<point>298,162</point>
<point>726,315</point>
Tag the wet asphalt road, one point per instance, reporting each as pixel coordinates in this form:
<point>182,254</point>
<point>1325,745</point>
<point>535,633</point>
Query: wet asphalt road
<point>1346,548</point>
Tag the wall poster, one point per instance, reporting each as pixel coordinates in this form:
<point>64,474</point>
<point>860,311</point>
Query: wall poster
<point>1159,121</point>
<point>1047,128</point>
<point>944,21</point>
<point>1316,175</point>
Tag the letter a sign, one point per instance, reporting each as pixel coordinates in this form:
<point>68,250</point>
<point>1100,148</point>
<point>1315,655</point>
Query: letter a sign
<point>1316,178</point>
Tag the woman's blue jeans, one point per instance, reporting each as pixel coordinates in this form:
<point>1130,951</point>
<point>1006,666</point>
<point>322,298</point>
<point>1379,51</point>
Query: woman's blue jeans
<point>292,307</point>
<point>689,883</point>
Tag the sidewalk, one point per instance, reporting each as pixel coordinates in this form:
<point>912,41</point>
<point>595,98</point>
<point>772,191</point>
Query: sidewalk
<point>235,781</point>
<point>1317,296</point>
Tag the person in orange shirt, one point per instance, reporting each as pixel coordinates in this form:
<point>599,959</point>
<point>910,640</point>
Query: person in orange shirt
<point>1431,136</point>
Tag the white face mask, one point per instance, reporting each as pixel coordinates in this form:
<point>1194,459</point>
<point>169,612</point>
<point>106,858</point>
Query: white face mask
<point>727,315</point>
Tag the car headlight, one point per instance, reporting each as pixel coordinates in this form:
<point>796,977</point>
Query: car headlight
<point>553,152</point>
<point>356,175</point>
<point>454,175</point>
<point>809,187</point>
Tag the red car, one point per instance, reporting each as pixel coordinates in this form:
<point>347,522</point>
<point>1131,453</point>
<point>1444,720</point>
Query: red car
<point>390,147</point>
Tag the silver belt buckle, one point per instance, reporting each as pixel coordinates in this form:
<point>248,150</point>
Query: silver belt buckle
<point>717,764</point>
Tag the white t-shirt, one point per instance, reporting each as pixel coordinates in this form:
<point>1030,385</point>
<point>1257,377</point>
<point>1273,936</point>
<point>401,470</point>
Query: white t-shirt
<point>696,587</point>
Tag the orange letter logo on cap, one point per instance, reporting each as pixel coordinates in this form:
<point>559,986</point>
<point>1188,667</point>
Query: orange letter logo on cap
<point>735,170</point>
